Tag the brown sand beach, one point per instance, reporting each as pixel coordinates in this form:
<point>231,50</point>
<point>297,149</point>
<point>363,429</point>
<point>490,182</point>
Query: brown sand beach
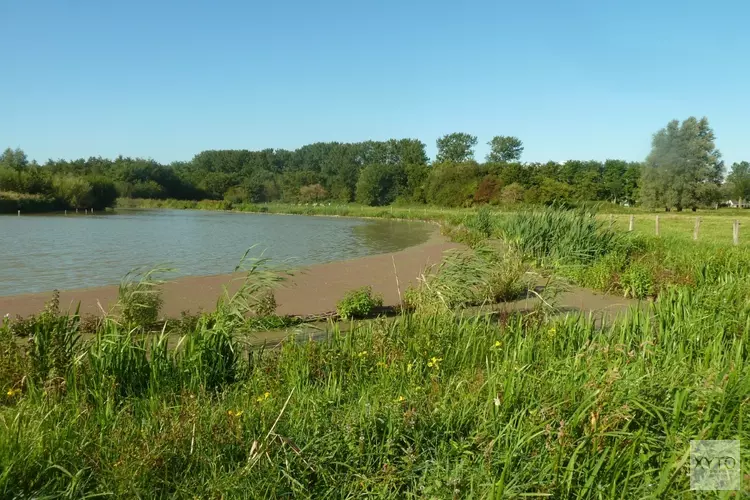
<point>311,290</point>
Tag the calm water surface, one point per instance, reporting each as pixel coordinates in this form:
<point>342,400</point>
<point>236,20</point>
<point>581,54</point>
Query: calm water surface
<point>39,253</point>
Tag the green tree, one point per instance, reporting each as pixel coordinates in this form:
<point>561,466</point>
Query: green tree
<point>416,180</point>
<point>14,159</point>
<point>103,193</point>
<point>456,148</point>
<point>504,149</point>
<point>682,157</point>
<point>452,185</point>
<point>380,184</point>
<point>74,192</point>
<point>738,181</point>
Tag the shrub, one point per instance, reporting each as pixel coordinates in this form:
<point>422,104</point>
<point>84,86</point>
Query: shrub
<point>312,193</point>
<point>103,192</point>
<point>604,274</point>
<point>637,281</point>
<point>487,190</point>
<point>359,303</point>
<point>512,194</point>
<point>74,192</point>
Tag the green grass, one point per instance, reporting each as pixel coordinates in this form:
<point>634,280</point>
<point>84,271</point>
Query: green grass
<point>425,406</point>
<point>715,227</point>
<point>430,404</point>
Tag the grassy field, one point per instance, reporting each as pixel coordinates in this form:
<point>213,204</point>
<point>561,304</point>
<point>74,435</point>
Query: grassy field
<point>433,404</point>
<point>716,225</point>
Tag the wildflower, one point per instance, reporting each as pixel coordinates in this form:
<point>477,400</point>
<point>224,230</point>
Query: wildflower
<point>552,331</point>
<point>400,399</point>
<point>13,392</point>
<point>408,368</point>
<point>262,398</point>
<point>434,363</point>
<point>235,414</point>
<point>362,354</point>
<point>498,344</point>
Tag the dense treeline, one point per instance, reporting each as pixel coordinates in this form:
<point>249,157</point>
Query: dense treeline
<point>394,171</point>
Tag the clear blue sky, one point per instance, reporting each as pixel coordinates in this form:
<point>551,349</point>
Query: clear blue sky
<point>574,79</point>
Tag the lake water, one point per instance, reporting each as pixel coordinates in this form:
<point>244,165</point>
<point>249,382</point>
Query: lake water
<point>40,253</point>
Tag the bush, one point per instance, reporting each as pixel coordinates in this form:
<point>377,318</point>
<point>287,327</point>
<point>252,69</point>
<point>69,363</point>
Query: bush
<point>637,281</point>
<point>359,303</point>
<point>488,190</point>
<point>74,192</point>
<point>512,194</point>
<point>103,192</point>
<point>312,193</point>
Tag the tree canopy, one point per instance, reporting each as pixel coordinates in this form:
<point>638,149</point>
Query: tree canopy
<point>504,149</point>
<point>683,157</point>
<point>683,170</point>
<point>738,181</point>
<point>457,147</point>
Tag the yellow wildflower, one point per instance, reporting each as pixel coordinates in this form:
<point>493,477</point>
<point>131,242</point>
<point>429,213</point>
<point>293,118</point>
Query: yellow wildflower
<point>400,399</point>
<point>13,392</point>
<point>362,354</point>
<point>434,362</point>
<point>498,343</point>
<point>265,396</point>
<point>235,414</point>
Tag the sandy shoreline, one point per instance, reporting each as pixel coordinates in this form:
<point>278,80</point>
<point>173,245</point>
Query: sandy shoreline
<point>311,290</point>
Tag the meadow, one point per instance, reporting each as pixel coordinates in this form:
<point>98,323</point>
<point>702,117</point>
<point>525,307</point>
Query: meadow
<point>434,403</point>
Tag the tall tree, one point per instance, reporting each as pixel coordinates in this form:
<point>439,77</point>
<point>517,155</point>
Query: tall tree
<point>738,181</point>
<point>14,159</point>
<point>683,156</point>
<point>505,149</point>
<point>457,147</point>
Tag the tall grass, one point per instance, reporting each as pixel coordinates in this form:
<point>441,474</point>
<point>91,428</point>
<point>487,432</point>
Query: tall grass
<point>559,236</point>
<point>423,406</point>
<point>430,404</point>
<point>486,274</point>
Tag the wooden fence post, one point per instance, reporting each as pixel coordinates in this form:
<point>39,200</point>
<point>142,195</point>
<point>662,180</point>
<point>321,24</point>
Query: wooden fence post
<point>736,232</point>
<point>697,228</point>
<point>657,225</point>
<point>630,227</point>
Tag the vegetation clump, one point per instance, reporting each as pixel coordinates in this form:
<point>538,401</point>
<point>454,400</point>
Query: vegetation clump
<point>359,303</point>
